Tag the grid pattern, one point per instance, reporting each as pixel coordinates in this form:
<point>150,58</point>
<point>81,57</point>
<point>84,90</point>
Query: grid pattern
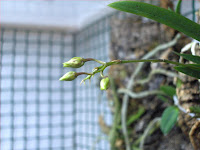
<point>90,101</point>
<point>38,111</point>
<point>33,101</point>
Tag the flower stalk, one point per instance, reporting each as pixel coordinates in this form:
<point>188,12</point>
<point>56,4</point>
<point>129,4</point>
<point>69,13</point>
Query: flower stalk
<point>77,62</point>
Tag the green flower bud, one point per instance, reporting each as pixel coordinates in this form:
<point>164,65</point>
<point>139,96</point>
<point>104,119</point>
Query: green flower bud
<point>75,62</point>
<point>105,83</point>
<point>69,76</point>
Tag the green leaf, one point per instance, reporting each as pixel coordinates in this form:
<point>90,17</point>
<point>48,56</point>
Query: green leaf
<point>178,83</point>
<point>136,116</point>
<point>195,109</point>
<point>178,7</point>
<point>164,16</point>
<point>169,118</point>
<point>135,148</point>
<point>192,66</point>
<point>170,9</point>
<point>190,57</point>
<point>188,71</point>
<point>164,99</point>
<point>168,90</point>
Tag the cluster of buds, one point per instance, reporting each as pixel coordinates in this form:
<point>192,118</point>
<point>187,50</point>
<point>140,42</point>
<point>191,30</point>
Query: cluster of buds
<point>78,62</point>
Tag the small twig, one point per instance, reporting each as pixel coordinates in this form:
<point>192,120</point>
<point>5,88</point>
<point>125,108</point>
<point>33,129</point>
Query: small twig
<point>157,71</point>
<point>131,84</point>
<point>139,95</point>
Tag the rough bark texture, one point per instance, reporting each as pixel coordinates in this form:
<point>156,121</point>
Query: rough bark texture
<point>131,38</point>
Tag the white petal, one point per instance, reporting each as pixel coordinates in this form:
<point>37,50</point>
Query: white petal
<point>193,48</point>
<point>186,48</point>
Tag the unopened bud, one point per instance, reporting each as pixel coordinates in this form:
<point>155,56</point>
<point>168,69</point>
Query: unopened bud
<point>69,76</point>
<point>75,62</point>
<point>105,83</point>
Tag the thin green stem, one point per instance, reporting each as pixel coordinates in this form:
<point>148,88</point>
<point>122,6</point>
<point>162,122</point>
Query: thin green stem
<point>142,60</point>
<point>101,62</point>
<point>92,59</point>
<point>101,73</point>
<point>81,73</point>
<point>115,62</point>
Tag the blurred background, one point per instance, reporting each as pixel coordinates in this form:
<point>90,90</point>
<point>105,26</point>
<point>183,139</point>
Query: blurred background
<point>38,112</point>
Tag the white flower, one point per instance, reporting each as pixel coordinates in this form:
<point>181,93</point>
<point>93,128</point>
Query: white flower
<point>191,46</point>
